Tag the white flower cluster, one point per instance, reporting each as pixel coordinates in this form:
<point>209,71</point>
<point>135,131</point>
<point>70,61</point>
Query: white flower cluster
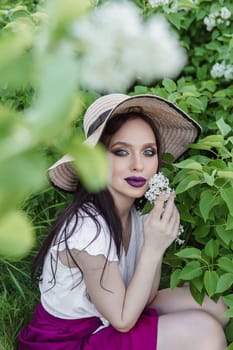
<point>174,4</point>
<point>158,184</point>
<point>218,17</point>
<point>116,47</point>
<point>157,3</point>
<point>222,70</point>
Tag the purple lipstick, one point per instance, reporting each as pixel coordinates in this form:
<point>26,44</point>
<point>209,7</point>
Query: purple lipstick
<point>136,181</point>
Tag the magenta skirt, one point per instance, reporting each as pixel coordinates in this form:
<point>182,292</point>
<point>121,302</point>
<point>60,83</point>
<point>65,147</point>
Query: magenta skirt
<point>46,332</point>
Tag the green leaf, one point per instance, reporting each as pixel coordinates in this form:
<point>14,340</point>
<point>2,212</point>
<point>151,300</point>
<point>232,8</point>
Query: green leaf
<point>91,164</point>
<point>229,225</point>
<point>140,89</point>
<point>229,333</point>
<point>196,104</point>
<point>14,44</point>
<point>16,235</point>
<point>62,13</point>
<point>169,85</point>
<point>186,4</point>
<point>211,248</point>
<point>208,85</point>
<point>207,202</point>
<point>15,78</point>
<point>225,174</point>
<point>223,127</point>
<point>189,253</point>
<point>188,182</point>
<point>227,195</point>
<point>224,282</point>
<point>225,235</point>
<point>20,176</point>
<point>210,282</point>
<point>147,208</point>
<point>49,117</point>
<point>228,313</point>
<point>174,97</point>
<point>201,231</point>
<point>230,347</point>
<point>189,164</point>
<point>189,90</point>
<point>228,300</point>
<point>198,283</point>
<point>217,163</point>
<point>225,264</point>
<point>196,294</point>
<point>209,179</point>
<point>175,19</point>
<point>192,270</point>
<point>174,279</point>
<point>208,142</point>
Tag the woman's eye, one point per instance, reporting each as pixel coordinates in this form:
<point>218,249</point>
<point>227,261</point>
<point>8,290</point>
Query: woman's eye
<point>149,152</point>
<point>120,152</point>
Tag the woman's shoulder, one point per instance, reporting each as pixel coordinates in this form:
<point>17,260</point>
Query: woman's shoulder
<point>88,230</point>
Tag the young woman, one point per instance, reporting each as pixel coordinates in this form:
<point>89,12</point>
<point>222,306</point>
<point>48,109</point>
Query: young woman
<point>102,259</point>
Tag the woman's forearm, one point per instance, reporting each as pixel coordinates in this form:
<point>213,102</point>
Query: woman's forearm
<point>142,287</point>
<point>156,282</point>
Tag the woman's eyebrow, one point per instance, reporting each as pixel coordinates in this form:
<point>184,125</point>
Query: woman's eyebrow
<point>121,143</point>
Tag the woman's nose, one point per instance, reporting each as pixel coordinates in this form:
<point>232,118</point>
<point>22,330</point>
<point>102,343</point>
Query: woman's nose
<point>137,162</point>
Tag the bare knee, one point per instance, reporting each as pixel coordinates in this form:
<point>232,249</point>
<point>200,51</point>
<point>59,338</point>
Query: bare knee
<point>190,329</point>
<point>209,331</point>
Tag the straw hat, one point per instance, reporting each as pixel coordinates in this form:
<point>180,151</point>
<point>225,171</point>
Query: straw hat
<point>176,129</point>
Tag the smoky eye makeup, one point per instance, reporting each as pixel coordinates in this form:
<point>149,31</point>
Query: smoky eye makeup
<point>119,152</point>
<point>150,152</point>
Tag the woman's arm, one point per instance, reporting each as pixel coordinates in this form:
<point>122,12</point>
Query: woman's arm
<point>155,285</point>
<point>119,305</point>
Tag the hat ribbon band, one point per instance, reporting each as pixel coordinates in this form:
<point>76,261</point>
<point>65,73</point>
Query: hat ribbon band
<point>100,120</point>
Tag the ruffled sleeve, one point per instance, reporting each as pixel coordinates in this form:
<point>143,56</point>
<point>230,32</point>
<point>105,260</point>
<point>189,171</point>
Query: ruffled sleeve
<point>89,237</point>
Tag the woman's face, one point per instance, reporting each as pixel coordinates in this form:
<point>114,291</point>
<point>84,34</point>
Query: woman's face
<point>133,157</point>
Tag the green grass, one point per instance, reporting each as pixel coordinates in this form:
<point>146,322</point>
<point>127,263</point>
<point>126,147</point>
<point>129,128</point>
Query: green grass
<point>15,308</point>
<point>18,294</point>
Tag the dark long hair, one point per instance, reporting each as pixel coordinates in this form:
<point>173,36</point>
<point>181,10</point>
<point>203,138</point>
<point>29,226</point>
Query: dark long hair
<point>83,199</point>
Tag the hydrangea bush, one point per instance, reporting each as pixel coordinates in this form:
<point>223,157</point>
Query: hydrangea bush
<point>44,42</point>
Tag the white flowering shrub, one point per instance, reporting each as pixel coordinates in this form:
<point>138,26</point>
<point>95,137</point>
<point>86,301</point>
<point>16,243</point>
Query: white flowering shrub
<point>173,5</point>
<point>221,70</point>
<point>221,16</point>
<point>131,49</point>
<point>55,60</point>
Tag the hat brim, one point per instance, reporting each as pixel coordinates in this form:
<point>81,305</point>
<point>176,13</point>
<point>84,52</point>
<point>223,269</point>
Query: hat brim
<point>177,130</point>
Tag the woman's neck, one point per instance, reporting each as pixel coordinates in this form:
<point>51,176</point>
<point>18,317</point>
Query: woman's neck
<point>125,218</point>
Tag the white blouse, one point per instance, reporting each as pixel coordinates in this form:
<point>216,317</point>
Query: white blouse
<point>69,300</point>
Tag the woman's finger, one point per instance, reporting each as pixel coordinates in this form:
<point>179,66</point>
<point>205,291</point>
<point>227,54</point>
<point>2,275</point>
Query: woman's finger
<point>168,208</point>
<point>158,208</point>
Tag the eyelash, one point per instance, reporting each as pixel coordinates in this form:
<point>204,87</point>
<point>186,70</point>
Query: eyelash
<point>152,152</point>
<point>122,152</point>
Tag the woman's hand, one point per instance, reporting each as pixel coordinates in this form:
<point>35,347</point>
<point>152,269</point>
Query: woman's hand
<point>162,224</point>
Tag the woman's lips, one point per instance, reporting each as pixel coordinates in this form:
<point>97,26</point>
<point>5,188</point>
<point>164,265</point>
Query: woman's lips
<point>135,181</point>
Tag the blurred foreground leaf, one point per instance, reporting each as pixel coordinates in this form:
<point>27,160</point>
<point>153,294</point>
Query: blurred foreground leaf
<point>91,164</point>
<point>16,235</point>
